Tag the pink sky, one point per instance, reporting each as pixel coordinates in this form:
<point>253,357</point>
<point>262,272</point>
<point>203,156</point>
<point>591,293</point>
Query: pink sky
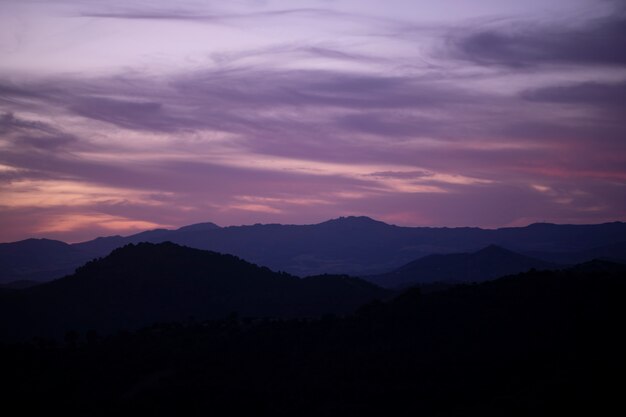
<point>117,117</point>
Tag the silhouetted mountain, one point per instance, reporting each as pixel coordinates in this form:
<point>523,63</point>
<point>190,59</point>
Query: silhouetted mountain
<point>38,259</point>
<point>146,283</point>
<point>489,263</point>
<point>353,223</point>
<point>615,252</point>
<point>542,343</point>
<point>102,246</point>
<point>198,227</point>
<point>350,245</point>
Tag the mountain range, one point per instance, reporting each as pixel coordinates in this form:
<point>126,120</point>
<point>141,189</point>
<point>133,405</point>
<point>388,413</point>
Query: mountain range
<point>161,328</point>
<point>348,245</point>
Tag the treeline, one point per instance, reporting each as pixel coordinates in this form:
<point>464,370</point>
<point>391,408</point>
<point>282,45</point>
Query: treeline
<point>539,343</point>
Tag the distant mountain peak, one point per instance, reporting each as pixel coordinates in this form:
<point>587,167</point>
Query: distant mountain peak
<point>198,227</point>
<point>109,237</point>
<point>36,242</point>
<point>38,239</point>
<point>354,220</point>
<point>494,249</point>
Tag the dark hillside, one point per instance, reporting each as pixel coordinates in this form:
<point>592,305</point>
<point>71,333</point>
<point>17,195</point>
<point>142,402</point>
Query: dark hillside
<point>536,344</point>
<point>489,263</point>
<point>146,283</point>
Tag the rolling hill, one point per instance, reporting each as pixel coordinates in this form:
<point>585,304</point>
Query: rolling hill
<point>486,264</point>
<point>146,283</point>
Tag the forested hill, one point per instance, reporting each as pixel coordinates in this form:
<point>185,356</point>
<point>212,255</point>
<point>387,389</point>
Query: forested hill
<point>535,344</point>
<point>141,284</point>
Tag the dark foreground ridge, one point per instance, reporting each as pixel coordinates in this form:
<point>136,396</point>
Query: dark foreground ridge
<point>536,344</point>
<point>142,284</point>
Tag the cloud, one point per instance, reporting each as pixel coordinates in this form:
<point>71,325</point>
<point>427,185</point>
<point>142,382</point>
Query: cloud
<point>401,174</point>
<point>309,130</point>
<point>253,87</point>
<point>253,101</point>
<point>598,42</point>
<point>229,116</point>
<point>32,134</point>
<point>9,123</point>
<point>323,52</point>
<point>195,15</point>
<point>130,114</point>
<point>611,95</point>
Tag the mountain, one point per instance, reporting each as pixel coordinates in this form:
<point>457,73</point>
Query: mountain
<point>347,245</point>
<point>541,343</point>
<point>198,227</point>
<point>489,263</point>
<point>104,245</point>
<point>340,246</point>
<point>615,252</point>
<point>137,285</point>
<point>38,260</point>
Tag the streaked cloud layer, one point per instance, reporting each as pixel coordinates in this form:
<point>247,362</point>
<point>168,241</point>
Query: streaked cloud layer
<point>122,116</point>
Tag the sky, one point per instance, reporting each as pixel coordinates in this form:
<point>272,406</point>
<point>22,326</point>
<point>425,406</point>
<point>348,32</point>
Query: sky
<point>122,116</point>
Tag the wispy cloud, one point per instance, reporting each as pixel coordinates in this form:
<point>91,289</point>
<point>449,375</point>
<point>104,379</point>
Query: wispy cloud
<point>183,15</point>
<point>603,95</point>
<point>595,42</point>
<point>514,120</point>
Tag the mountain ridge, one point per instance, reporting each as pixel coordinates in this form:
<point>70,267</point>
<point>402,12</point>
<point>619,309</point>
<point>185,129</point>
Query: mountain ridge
<point>354,245</point>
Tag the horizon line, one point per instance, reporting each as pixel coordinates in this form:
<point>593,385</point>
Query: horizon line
<point>368,218</point>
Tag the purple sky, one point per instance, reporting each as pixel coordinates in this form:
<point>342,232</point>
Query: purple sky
<point>121,116</point>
